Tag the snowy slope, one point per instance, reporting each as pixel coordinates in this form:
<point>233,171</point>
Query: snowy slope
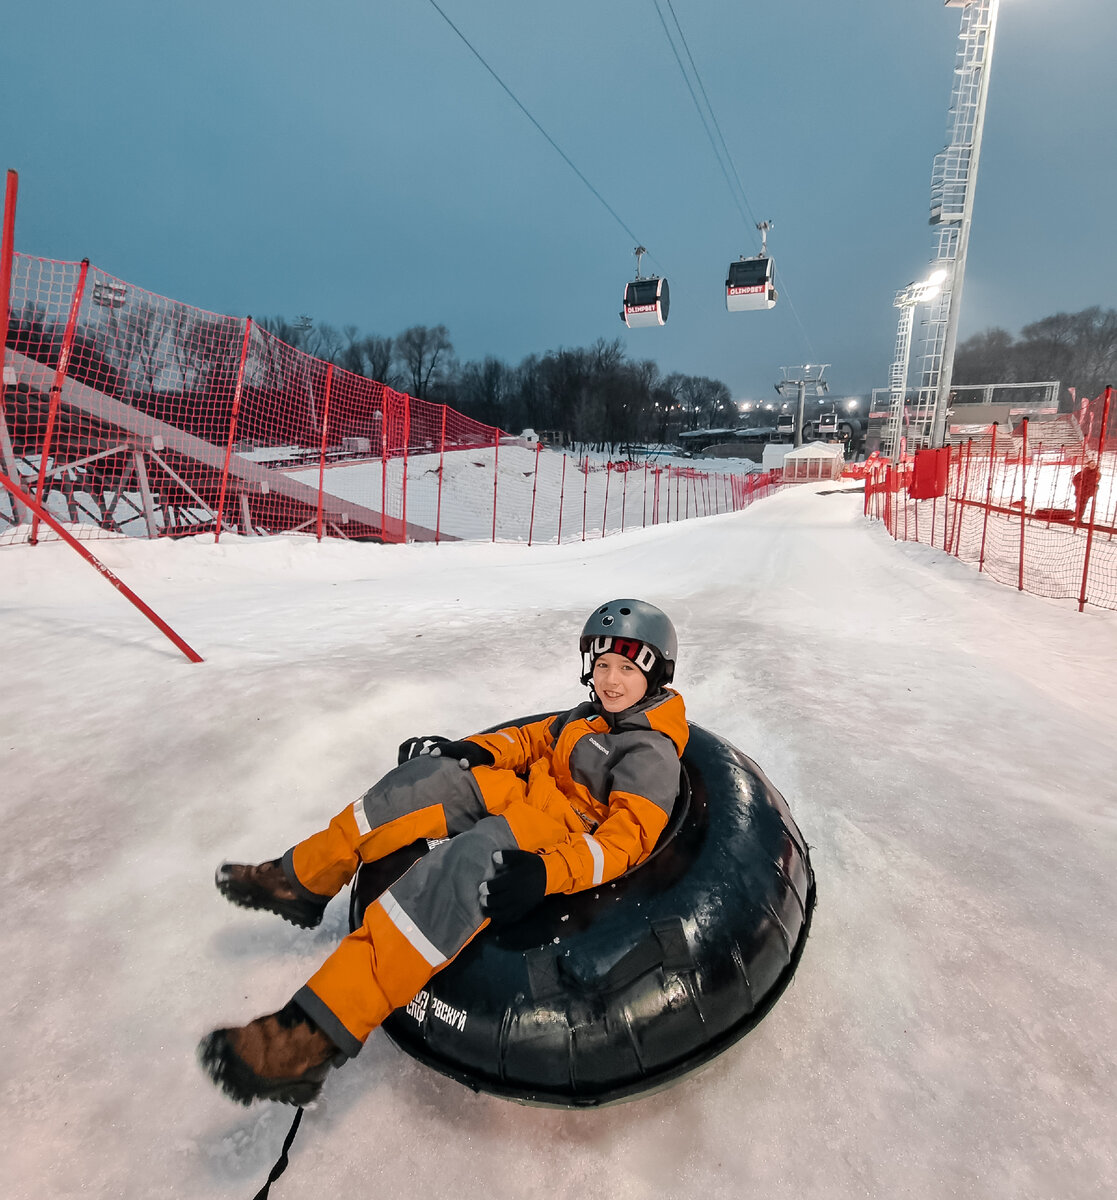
<point>945,744</point>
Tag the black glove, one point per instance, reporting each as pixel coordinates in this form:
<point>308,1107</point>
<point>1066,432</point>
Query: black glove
<point>469,754</point>
<point>519,884</point>
<point>414,746</point>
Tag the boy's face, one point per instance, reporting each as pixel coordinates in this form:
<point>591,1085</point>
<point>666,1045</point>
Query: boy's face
<point>618,681</point>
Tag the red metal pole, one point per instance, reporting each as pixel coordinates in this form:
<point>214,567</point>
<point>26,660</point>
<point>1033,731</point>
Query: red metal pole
<point>1023,497</point>
<point>624,496</point>
<point>322,451</point>
<point>585,491</point>
<point>562,498</point>
<point>56,395</point>
<point>120,586</point>
<point>1094,499</point>
<point>406,457</point>
<point>441,466</point>
<point>496,465</point>
<point>534,489</point>
<point>232,427</point>
<point>385,401</point>
<point>605,511</point>
<point>7,253</point>
<point>644,506</point>
<point>988,496</point>
<point>963,499</point>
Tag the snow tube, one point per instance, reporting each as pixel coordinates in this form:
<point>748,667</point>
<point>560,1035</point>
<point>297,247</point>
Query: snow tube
<point>622,989</point>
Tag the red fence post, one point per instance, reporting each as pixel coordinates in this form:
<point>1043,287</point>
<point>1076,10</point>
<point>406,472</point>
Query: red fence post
<point>624,494</point>
<point>962,499</point>
<point>1023,497</point>
<point>7,253</point>
<point>562,497</point>
<point>1094,499</point>
<point>322,451</point>
<point>56,396</point>
<point>496,466</point>
<point>441,471</point>
<point>988,496</point>
<point>534,489</point>
<point>385,401</point>
<point>585,491</point>
<point>605,510</point>
<point>406,456</point>
<point>232,428</point>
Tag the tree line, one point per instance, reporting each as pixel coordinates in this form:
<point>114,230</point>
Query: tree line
<point>592,395</point>
<point>1079,349</point>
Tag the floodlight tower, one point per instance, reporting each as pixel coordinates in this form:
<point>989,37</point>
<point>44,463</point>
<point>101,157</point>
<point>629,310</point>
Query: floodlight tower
<point>953,181</point>
<point>801,379</point>
<point>906,301</point>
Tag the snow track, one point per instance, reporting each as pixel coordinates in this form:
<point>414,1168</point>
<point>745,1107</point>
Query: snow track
<point>945,744</point>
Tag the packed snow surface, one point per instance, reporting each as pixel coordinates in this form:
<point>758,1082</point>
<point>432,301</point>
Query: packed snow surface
<point>945,743</point>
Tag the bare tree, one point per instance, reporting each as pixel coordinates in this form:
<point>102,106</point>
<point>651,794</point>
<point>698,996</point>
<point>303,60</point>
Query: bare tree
<point>1080,349</point>
<point>423,350</point>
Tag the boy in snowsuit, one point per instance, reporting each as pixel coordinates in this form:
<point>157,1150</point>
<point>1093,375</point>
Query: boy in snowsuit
<point>558,805</point>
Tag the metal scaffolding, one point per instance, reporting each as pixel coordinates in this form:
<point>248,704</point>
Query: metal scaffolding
<point>953,181</point>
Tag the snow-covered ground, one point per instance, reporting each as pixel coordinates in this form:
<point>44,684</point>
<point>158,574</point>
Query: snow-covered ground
<point>946,745</point>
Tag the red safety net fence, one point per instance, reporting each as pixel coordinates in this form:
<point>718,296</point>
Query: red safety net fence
<point>125,413</point>
<point>1034,507</point>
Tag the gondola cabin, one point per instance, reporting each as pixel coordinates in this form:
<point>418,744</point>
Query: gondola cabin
<point>749,284</point>
<point>646,302</point>
<point>828,424</point>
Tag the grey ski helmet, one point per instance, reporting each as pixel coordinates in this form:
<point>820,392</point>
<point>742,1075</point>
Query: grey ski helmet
<point>635,621</point>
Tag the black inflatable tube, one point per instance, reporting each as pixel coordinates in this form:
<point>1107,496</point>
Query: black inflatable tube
<point>623,989</point>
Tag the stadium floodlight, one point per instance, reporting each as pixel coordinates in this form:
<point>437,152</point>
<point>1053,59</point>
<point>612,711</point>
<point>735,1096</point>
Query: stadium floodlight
<point>907,300</point>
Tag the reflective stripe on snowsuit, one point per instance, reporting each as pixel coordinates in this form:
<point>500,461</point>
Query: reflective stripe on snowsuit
<point>428,916</point>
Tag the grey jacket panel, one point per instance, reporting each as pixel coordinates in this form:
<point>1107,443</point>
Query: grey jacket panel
<point>440,892</point>
<point>643,762</point>
<point>420,783</point>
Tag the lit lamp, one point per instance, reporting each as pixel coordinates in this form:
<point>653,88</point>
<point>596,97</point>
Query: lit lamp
<point>906,300</point>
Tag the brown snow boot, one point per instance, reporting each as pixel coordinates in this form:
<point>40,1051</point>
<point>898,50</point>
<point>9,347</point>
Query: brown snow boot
<point>284,1057</point>
<point>266,886</point>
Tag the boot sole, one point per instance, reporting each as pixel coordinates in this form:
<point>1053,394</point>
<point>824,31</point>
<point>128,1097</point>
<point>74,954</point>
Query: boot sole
<point>305,916</point>
<point>240,1083</point>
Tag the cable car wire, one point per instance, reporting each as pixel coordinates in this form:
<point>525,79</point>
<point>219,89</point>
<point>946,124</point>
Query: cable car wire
<point>515,100</point>
<point>750,219</point>
<point>728,157</point>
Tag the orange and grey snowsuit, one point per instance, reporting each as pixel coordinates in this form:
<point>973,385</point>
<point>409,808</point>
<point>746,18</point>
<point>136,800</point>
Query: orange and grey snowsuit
<point>589,792</point>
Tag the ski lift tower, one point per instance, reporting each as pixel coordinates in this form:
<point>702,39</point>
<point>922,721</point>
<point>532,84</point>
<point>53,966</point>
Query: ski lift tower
<point>953,180</point>
<point>802,379</point>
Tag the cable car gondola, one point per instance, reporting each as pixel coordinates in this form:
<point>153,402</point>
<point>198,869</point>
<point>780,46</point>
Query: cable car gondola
<point>828,423</point>
<point>647,299</point>
<point>749,282</point>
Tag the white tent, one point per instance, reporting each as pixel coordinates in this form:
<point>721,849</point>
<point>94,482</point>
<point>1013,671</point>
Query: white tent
<point>815,460</point>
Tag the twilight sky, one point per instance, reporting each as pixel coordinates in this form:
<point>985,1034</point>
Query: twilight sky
<point>355,162</point>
